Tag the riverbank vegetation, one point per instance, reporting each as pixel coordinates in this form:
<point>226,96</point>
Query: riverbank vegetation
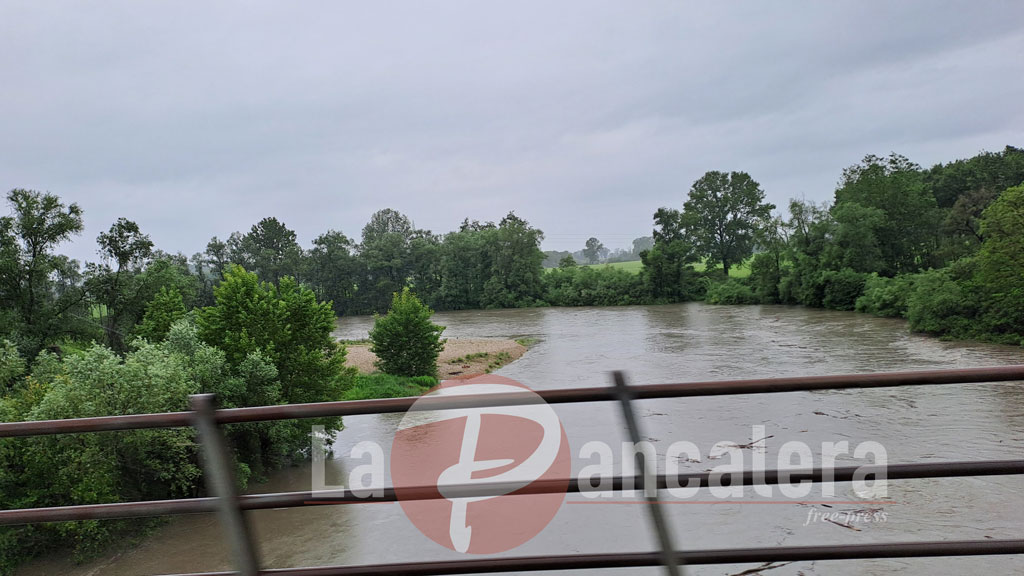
<point>940,247</point>
<point>127,336</point>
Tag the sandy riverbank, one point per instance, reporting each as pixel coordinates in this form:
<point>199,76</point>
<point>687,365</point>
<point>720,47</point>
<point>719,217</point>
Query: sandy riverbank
<point>461,357</point>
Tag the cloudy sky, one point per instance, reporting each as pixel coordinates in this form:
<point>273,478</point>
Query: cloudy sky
<point>196,119</point>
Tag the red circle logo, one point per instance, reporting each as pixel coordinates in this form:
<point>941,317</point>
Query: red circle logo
<point>506,448</point>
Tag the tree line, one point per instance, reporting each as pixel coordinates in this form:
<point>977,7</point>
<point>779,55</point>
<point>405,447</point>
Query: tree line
<point>889,222</point>
<point>940,247</point>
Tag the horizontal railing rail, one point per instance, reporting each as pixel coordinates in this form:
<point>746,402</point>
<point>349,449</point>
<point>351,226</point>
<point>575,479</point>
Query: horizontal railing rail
<point>559,396</point>
<point>267,501</point>
<point>231,506</point>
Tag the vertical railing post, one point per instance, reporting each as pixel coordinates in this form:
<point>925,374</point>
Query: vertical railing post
<point>220,482</point>
<point>668,553</point>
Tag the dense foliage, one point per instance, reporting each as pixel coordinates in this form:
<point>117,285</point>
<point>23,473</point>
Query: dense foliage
<point>731,291</point>
<point>119,339</point>
<point>940,247</point>
<point>572,285</point>
<point>277,342</point>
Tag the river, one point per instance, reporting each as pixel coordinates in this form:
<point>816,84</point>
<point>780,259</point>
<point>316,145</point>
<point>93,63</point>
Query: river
<point>676,343</point>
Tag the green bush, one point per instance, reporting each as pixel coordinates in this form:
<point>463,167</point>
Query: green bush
<point>72,469</point>
<point>940,305</point>
<point>405,341</point>
<point>842,288</point>
<point>594,286</point>
<point>731,291</point>
<point>887,297</point>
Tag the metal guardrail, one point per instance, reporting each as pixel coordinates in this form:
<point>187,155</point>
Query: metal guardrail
<point>231,507</point>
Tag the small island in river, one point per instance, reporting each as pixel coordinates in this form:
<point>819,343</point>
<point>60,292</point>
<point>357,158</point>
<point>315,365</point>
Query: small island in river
<point>461,357</point>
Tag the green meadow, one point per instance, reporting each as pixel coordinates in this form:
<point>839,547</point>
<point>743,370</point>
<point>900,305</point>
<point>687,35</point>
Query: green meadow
<point>737,271</point>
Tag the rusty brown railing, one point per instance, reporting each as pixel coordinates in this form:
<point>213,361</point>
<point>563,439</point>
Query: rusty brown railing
<point>231,507</point>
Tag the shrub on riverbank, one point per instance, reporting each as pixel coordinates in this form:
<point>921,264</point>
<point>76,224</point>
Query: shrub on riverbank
<point>940,304</point>
<point>405,341</point>
<point>594,286</point>
<point>731,291</point>
<point>886,297</point>
<point>842,288</point>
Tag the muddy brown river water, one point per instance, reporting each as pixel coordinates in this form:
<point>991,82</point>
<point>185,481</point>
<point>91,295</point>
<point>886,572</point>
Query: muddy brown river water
<point>676,343</point>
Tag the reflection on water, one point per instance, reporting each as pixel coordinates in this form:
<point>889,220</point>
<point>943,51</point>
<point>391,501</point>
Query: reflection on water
<point>677,343</point>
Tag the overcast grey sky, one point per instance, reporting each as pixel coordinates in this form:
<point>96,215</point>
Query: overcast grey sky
<point>196,119</point>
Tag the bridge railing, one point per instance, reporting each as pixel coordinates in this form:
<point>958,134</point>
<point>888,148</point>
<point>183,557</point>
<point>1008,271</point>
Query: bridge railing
<point>231,507</point>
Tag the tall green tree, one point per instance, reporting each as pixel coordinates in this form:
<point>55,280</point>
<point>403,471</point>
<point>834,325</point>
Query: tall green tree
<point>114,283</point>
<point>641,244</point>
<point>908,232</point>
<point>405,341</point>
<point>385,252</point>
<point>592,250</point>
<point>334,271</point>
<point>39,291</point>
<point>812,228</point>
<point>284,324</point>
<point>962,224</point>
<point>722,214</point>
<point>129,277</point>
<point>425,255</point>
<point>466,259</point>
<point>271,249</point>
<point>516,270</point>
<point>217,257</point>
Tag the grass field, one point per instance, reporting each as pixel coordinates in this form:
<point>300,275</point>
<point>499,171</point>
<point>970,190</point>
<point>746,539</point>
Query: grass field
<point>371,386</point>
<point>635,266</point>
